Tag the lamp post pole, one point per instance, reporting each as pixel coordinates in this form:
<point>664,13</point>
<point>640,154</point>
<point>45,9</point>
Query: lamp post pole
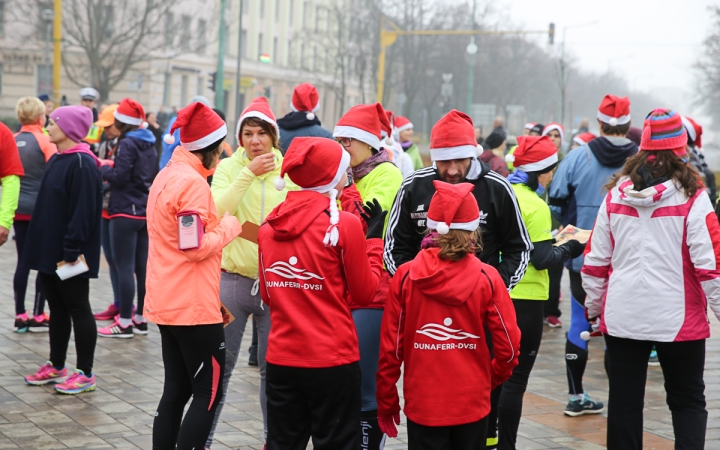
<point>471,49</point>
<point>219,85</point>
<point>238,81</point>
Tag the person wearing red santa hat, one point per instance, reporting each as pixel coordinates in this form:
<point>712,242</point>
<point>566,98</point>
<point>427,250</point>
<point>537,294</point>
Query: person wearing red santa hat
<point>312,258</point>
<point>575,197</point>
<point>403,134</point>
<point>129,179</point>
<point>534,160</point>
<point>397,154</point>
<point>555,132</point>
<point>528,128</point>
<point>697,158</point>
<point>436,321</point>
<point>183,280</point>
<point>373,177</point>
<point>302,120</point>
<point>582,139</point>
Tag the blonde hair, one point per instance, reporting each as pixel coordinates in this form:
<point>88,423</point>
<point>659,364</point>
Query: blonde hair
<point>29,109</point>
<point>458,243</point>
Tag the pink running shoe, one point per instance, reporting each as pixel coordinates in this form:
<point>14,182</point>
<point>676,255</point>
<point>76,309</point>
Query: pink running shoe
<point>116,330</point>
<point>553,322</point>
<point>76,384</point>
<point>47,374</point>
<point>108,314</point>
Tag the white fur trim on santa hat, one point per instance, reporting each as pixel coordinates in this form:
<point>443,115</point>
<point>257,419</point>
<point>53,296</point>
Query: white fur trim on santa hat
<point>205,141</point>
<point>344,163</point>
<point>357,133</point>
<point>689,128</point>
<point>622,120</point>
<point>315,109</point>
<point>539,165</point>
<point>467,226</point>
<point>258,115</point>
<point>407,126</point>
<point>460,152</point>
<point>130,120</point>
<point>529,126</point>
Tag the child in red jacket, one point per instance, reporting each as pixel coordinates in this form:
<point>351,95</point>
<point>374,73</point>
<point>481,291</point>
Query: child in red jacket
<point>435,319</point>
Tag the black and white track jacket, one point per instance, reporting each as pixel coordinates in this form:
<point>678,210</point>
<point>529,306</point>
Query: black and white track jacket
<point>503,230</point>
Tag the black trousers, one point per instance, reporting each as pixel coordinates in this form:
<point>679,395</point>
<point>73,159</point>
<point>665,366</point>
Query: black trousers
<point>552,305</point>
<point>22,273</point>
<point>69,304</point>
<point>194,359</point>
<point>322,404</point>
<point>529,314</point>
<point>469,436</point>
<point>129,242</point>
<point>682,364</point>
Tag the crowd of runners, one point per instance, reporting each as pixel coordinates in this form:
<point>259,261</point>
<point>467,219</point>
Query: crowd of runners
<point>357,263</point>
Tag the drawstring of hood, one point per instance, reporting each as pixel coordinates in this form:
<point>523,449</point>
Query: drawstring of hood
<point>332,235</point>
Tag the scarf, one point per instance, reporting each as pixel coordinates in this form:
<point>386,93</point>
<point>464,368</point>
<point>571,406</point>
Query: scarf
<point>429,241</point>
<point>369,164</point>
<point>520,177</point>
<point>406,145</point>
<point>82,147</point>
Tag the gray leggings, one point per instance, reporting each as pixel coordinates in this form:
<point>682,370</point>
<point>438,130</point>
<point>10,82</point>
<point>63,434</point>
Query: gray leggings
<point>236,295</point>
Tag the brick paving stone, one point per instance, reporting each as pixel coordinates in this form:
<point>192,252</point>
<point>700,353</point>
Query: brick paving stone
<point>119,413</point>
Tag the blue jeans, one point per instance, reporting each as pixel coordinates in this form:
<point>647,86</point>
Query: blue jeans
<point>367,325</point>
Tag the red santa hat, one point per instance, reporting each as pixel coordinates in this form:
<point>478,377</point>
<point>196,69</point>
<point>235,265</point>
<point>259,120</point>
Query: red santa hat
<point>316,164</point>
<point>260,109</point>
<point>130,112</point>
<point>530,125</point>
<point>694,130</point>
<point>402,123</point>
<point>305,99</point>
<point>199,126</point>
<point>614,110</point>
<point>533,154</point>
<point>361,122</point>
<point>387,119</point>
<point>554,126</point>
<point>453,137</point>
<point>453,207</point>
<point>584,138</point>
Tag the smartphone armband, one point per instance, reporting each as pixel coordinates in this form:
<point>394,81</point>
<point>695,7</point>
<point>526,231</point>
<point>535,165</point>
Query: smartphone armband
<point>190,230</point>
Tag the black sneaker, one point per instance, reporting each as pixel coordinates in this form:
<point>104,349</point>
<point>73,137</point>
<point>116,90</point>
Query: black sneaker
<point>140,327</point>
<point>587,405</point>
<point>39,326</point>
<point>21,325</point>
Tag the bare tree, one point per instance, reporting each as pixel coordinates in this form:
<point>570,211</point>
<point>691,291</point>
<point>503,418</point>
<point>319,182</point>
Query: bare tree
<point>708,68</point>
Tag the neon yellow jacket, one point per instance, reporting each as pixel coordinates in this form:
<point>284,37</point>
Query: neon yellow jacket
<point>9,199</point>
<point>382,183</point>
<point>238,191</point>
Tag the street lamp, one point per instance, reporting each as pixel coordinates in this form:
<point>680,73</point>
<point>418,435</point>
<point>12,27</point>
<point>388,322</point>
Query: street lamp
<point>48,15</point>
<point>471,50</point>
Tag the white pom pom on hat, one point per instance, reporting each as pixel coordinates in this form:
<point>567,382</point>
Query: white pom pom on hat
<point>169,139</point>
<point>389,140</point>
<point>509,158</point>
<point>279,183</point>
<point>310,116</point>
<point>443,228</point>
<point>144,125</point>
<point>613,121</point>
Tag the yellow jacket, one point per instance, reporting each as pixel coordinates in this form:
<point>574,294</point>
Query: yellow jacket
<point>238,191</point>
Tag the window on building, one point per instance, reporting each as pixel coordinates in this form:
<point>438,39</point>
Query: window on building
<point>277,11</point>
<point>262,8</point>
<point>169,28</point>
<point>200,86</point>
<point>185,22</point>
<point>201,36</point>
<point>45,20</point>
<point>260,44</point>
<point>166,89</point>
<point>2,18</point>
<point>275,56</point>
<point>184,91</point>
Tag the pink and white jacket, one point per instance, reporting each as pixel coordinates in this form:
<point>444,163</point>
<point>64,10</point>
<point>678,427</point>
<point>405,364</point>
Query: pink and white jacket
<point>651,266</point>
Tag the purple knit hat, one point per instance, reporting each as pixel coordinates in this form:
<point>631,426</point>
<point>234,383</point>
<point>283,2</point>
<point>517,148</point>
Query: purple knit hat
<point>75,121</point>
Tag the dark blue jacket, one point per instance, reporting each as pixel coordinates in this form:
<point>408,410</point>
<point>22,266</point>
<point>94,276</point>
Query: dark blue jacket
<point>296,124</point>
<point>66,219</point>
<point>133,173</point>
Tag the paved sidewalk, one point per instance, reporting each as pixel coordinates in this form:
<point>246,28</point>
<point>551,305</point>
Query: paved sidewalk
<point>119,413</point>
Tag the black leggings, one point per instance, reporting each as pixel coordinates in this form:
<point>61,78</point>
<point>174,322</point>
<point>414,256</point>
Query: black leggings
<point>194,359</point>
<point>70,310</point>
<point>682,365</point>
<point>529,315</point>
<point>129,240</point>
<point>22,273</point>
<point>469,436</point>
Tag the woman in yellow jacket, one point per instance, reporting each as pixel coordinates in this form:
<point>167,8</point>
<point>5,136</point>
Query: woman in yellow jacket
<point>243,186</point>
<point>183,280</point>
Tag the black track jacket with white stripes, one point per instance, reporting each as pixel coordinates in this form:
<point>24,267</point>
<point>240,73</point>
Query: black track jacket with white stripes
<point>503,230</point>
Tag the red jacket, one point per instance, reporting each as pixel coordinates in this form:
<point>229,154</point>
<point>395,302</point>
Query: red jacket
<point>306,284</point>
<point>435,320</point>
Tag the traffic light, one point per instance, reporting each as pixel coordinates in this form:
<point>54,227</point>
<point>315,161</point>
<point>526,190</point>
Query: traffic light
<point>212,81</point>
<point>551,34</point>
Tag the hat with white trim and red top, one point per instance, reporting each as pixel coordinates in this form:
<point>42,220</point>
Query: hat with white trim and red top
<point>361,122</point>
<point>694,131</point>
<point>534,154</point>
<point>554,126</point>
<point>402,123</point>
<point>614,110</point>
<point>584,138</point>
<point>453,207</point>
<point>316,164</point>
<point>199,127</point>
<point>453,137</point>
<point>130,112</point>
<point>259,109</point>
<point>305,99</point>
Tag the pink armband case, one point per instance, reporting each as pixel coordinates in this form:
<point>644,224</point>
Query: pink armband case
<point>190,230</point>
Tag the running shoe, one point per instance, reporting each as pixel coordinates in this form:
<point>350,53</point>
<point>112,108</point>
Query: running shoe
<point>40,326</point>
<point>653,361</point>
<point>108,314</point>
<point>553,322</point>
<point>21,323</point>
<point>76,384</point>
<point>587,405</point>
<point>140,327</point>
<point>116,331</point>
<point>47,374</point>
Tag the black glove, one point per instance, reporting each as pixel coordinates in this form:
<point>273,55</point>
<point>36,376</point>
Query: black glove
<point>374,216</point>
<point>574,248</point>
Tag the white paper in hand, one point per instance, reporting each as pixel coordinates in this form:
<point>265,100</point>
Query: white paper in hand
<point>66,270</point>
